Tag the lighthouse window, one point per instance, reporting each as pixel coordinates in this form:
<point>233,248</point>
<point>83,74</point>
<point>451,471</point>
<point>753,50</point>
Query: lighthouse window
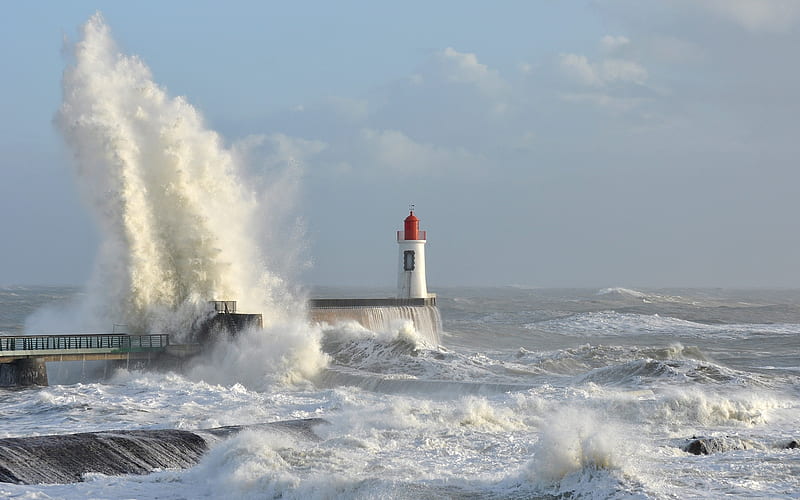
<point>408,260</point>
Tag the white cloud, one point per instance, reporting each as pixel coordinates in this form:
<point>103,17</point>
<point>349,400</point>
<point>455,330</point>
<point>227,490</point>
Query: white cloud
<point>459,67</point>
<point>603,73</point>
<point>526,140</point>
<point>276,150</point>
<point>395,151</point>
<point>294,148</point>
<point>757,15</point>
<point>620,70</point>
<point>601,100</point>
<point>611,43</point>
<point>672,49</point>
<point>579,68</point>
<point>351,109</point>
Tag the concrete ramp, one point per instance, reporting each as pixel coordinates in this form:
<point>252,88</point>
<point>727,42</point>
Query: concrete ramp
<point>58,459</point>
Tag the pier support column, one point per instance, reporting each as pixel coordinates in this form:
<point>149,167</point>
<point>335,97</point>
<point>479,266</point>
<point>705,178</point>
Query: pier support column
<point>31,371</point>
<point>23,372</point>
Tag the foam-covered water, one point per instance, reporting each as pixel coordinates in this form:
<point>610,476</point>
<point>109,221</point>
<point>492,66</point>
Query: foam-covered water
<point>529,396</point>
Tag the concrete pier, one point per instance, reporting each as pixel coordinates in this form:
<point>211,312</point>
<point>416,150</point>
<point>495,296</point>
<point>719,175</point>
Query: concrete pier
<point>23,372</point>
<point>24,358</point>
<point>389,302</point>
<point>381,315</point>
<point>226,325</point>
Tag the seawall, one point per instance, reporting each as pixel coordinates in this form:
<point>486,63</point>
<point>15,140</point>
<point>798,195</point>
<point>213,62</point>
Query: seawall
<point>381,315</point>
<point>388,302</point>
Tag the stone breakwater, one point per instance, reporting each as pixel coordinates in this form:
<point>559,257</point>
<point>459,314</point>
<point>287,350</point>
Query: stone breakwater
<point>67,458</point>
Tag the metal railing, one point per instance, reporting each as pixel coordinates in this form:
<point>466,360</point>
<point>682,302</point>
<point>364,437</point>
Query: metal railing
<point>421,235</point>
<point>10,344</point>
<point>224,306</point>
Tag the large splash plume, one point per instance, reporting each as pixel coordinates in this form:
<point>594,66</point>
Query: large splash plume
<point>177,220</point>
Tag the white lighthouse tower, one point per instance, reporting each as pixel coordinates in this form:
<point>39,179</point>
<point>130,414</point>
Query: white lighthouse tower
<point>411,282</point>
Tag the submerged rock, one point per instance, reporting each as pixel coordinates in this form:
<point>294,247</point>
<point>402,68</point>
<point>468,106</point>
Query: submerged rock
<point>707,446</point>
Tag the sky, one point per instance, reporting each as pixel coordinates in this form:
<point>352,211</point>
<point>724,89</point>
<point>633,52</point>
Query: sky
<point>546,144</point>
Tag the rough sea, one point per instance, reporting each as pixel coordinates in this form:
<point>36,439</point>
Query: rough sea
<point>534,393</point>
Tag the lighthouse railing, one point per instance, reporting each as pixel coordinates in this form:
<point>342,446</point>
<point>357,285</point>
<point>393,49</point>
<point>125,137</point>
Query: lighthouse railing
<point>421,235</point>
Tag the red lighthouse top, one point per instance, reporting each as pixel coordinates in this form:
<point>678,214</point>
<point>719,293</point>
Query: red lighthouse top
<point>411,227</point>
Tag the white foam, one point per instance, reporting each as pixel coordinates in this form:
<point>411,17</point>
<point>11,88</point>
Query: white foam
<point>615,323</point>
<point>622,291</point>
<point>249,465</point>
<point>647,298</point>
<point>573,440</point>
<point>285,353</point>
<point>480,413</point>
<point>694,408</point>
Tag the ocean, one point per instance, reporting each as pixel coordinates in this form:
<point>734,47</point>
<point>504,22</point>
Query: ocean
<point>533,393</point>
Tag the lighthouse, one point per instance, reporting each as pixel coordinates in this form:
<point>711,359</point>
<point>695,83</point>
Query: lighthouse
<point>411,282</point>
<point>413,302</point>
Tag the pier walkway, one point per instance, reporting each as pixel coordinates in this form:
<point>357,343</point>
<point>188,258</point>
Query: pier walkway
<point>81,347</point>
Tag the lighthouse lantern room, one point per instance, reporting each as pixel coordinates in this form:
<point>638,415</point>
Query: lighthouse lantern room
<point>411,282</point>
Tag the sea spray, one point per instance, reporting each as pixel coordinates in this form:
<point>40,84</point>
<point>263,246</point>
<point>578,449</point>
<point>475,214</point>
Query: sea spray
<point>176,218</point>
<point>691,408</point>
<point>573,440</point>
<point>181,221</point>
<point>248,464</point>
<point>284,353</point>
<point>479,413</point>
